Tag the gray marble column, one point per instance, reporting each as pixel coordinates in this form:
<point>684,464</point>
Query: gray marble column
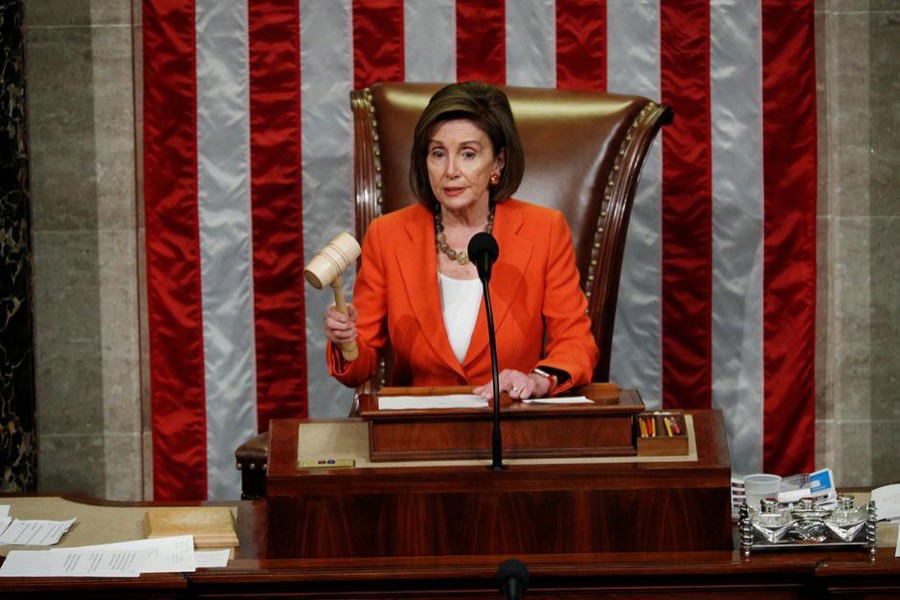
<point>81,105</point>
<point>858,417</point>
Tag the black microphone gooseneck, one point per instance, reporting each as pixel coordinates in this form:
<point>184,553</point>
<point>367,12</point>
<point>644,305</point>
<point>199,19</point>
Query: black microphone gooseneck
<point>483,251</point>
<point>512,576</point>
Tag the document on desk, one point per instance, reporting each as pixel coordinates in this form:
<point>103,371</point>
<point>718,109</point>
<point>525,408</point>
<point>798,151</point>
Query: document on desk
<point>51,563</point>
<point>429,402</point>
<point>34,533</point>
<point>559,400</point>
<point>121,559</point>
<point>207,559</point>
<point>159,555</point>
<point>887,502</point>
<point>5,519</point>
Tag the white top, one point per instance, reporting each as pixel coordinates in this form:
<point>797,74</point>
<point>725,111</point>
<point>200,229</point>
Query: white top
<point>460,301</point>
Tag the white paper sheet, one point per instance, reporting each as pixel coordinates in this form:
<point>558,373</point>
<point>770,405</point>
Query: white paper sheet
<point>887,502</point>
<point>160,555</point>
<point>559,400</point>
<point>429,402</point>
<point>5,519</point>
<point>50,563</point>
<point>212,558</point>
<point>34,533</point>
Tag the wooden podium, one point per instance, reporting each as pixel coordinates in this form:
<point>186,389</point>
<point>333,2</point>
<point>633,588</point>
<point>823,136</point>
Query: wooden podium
<point>588,502</point>
<point>602,427</point>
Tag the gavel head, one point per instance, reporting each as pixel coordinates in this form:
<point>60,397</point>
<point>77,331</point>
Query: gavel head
<point>331,261</point>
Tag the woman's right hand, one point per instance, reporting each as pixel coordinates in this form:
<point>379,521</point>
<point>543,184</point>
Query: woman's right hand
<point>341,328</point>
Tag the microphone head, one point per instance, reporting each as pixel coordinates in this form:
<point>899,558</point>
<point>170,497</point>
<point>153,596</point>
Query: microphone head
<point>483,251</point>
<point>512,576</point>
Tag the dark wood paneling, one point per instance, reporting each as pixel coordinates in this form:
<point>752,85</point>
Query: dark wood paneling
<point>797,574</point>
<point>525,509</point>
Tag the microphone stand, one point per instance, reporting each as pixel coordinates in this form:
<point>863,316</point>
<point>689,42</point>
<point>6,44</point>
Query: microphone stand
<point>496,442</point>
<point>483,251</point>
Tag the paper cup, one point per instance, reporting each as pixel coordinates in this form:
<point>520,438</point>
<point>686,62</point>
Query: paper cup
<point>759,486</point>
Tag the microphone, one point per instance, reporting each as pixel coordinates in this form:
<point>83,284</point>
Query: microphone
<point>483,251</point>
<point>512,576</point>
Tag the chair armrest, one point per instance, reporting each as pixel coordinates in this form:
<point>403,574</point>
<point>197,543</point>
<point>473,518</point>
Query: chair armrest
<point>252,460</point>
<point>254,453</point>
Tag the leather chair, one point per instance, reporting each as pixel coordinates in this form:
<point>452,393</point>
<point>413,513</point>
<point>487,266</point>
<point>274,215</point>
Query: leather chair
<point>583,151</point>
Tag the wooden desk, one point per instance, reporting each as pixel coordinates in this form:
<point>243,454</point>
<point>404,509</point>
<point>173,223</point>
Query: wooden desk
<point>433,509</point>
<point>634,575</point>
<point>602,427</point>
<point>637,575</point>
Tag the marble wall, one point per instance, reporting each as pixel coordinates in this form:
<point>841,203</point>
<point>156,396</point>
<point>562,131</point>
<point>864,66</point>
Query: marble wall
<point>81,95</point>
<point>18,451</point>
<point>90,340</point>
<point>858,416</point>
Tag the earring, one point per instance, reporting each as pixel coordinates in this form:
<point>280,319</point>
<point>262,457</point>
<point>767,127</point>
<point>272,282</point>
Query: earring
<point>495,179</point>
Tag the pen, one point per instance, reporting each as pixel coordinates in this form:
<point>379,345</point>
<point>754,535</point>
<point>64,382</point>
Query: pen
<point>675,427</point>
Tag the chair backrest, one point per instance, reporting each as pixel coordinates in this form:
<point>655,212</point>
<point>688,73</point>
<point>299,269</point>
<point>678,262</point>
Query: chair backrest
<point>583,156</point>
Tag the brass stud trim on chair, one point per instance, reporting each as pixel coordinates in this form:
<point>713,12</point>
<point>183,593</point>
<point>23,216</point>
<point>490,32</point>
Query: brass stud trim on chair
<point>607,196</point>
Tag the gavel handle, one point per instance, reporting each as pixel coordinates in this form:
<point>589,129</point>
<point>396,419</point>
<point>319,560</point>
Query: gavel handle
<point>348,349</point>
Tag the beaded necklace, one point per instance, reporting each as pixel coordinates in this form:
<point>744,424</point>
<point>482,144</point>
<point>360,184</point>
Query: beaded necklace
<point>462,257</point>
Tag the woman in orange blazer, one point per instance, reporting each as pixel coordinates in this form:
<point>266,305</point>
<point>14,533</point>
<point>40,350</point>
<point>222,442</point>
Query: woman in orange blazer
<point>417,290</point>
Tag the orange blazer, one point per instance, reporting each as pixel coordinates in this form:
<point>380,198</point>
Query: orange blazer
<point>539,309</point>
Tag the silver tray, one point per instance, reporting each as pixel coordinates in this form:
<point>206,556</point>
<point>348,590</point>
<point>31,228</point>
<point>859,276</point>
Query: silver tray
<point>812,531</point>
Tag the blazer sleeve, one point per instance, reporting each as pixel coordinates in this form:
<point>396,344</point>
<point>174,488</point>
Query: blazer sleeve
<point>370,300</point>
<point>570,344</point>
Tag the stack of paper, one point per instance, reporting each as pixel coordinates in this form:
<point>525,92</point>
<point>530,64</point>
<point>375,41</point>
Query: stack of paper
<point>214,527</point>
<point>887,502</point>
<point>19,532</point>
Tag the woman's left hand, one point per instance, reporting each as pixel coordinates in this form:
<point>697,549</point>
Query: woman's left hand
<point>517,384</point>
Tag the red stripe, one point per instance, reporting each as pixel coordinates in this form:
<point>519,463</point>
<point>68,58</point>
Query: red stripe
<point>177,400</point>
<point>581,44</point>
<point>789,261</point>
<point>276,190</point>
<point>377,42</point>
<point>687,206</point>
<point>481,41</point>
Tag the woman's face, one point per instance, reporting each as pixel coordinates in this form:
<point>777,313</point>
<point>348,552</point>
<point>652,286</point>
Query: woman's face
<point>460,163</point>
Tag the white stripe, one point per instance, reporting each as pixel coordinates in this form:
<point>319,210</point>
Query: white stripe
<point>736,92</point>
<point>531,43</point>
<point>223,175</point>
<point>429,31</point>
<point>633,67</point>
<point>326,62</point>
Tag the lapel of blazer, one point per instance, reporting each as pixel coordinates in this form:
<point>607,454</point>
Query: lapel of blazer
<point>506,277</point>
<point>416,256</point>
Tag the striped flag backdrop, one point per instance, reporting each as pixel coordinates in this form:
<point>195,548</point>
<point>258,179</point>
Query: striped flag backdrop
<point>247,139</point>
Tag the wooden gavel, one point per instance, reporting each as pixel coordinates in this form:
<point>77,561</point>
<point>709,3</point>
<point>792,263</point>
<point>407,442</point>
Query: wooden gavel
<point>327,268</point>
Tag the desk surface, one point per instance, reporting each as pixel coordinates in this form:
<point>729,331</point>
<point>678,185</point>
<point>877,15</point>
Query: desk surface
<point>349,439</point>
